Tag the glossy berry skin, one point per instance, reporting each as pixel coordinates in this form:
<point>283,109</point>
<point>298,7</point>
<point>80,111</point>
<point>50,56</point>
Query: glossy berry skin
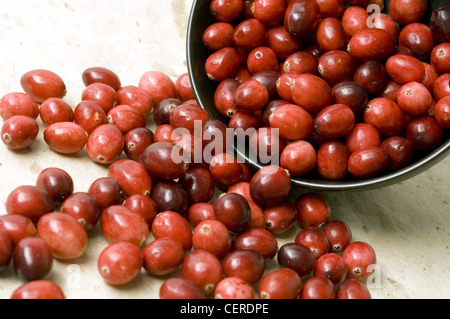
<point>65,137</point>
<point>280,217</point>
<point>246,264</point>
<point>226,10</point>
<point>173,225</point>
<point>442,112</point>
<point>66,237</point>
<point>331,266</point>
<point>424,133</point>
<point>120,263</point>
<point>400,152</point>
<point>43,84</point>
<point>371,44</point>
<point>181,288</point>
<point>107,192</point>
<point>119,223</point>
<point>312,210</point>
<point>17,227</point>
<point>270,185</point>
<point>302,18</point>
<point>103,75</point>
<point>159,85</point>
<point>199,185</point>
<point>105,144</point>
<point>258,239</point>
<point>6,250</point>
<point>55,110</point>
<point>57,182</point>
<point>334,121</point>
<point>385,115</point>
<point>18,103</point>
<point>89,115</point>
<point>332,160</point>
<point>136,141</point>
<point>163,256</point>
<point>314,239</point>
<point>292,121</point>
<point>203,268</point>
<point>29,201</point>
<point>234,288</point>
<point>84,208</point>
<point>125,118</point>
<point>352,289</point>
<point>233,211</point>
<point>101,94</point>
<point>170,196</point>
<point>358,257</point>
<point>39,289</point>
<point>143,205</point>
<point>297,257</point>
<point>33,258</point>
<point>339,235</point>
<point>19,131</point>
<point>132,176</point>
<point>318,288</point>
<point>137,98</point>
<point>222,64</point>
<point>368,163</point>
<point>282,283</point>
<point>213,236</point>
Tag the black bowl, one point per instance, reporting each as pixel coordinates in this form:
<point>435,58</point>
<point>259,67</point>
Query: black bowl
<point>204,89</point>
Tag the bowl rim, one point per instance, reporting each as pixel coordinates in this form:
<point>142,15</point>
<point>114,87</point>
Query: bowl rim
<point>387,179</point>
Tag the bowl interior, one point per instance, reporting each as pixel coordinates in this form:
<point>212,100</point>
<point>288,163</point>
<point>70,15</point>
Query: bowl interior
<point>204,90</point>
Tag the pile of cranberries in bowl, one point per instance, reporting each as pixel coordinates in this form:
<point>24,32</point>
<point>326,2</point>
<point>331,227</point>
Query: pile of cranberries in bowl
<point>344,90</point>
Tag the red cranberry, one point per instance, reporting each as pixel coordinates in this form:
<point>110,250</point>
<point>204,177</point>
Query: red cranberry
<point>249,34</point>
<point>334,121</point>
<point>300,62</point>
<point>218,36</point>
<point>29,201</point>
<point>181,288</point>
<point>57,182</point>
<point>385,115</point>
<point>203,268</point>
<point>55,110</point>
<point>280,217</point>
<point>222,64</point>
<point>441,87</point>
<point>33,258</point>
<point>358,257</point>
<point>258,239</point>
<point>414,99</point>
<point>125,118</point>
<point>368,163</point>
<point>132,176</point>
<point>17,227</point>
<point>330,35</point>
<point>173,225</point>
<point>246,264</point>
<point>403,69</point>
<point>225,169</point>
<point>66,238</point>
<point>339,235</point>
<point>292,121</point>
<point>291,155</point>
<point>418,38</point>
<point>400,152</point>
<point>137,98</point>
<point>213,236</point>
<point>187,116</point>
<point>371,44</point>
<point>332,159</point>
<point>159,85</point>
<point>136,141</point>
<point>43,84</point>
<point>120,263</point>
<point>19,131</point>
<point>101,75</point>
<point>226,10</point>
<point>269,12</point>
<point>224,97</point>
<point>352,289</point>
<point>318,287</point>
<point>270,185</point>
<point>163,133</point>
<point>314,239</point>
<point>107,192</point>
<point>143,205</point>
<point>281,42</point>
<point>89,115</point>
<point>336,66</point>
<point>119,223</point>
<point>39,289</point>
<point>312,210</point>
<point>234,288</point>
<point>65,137</point>
<point>251,96</point>
<point>6,250</point>
<point>102,94</point>
<point>331,266</point>
<point>84,208</point>
<point>442,112</point>
<point>405,12</point>
<point>163,256</point>
<point>18,103</point>
<point>354,19</point>
<point>362,136</point>
<point>200,212</point>
<point>282,283</point>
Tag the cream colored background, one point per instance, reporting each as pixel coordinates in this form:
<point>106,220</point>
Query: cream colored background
<point>407,224</point>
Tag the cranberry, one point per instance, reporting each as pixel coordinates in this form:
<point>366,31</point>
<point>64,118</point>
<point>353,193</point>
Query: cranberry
<point>301,62</point>
<point>292,121</point>
<point>314,239</point>
<point>297,257</point>
<point>330,35</point>
<point>65,137</point>
<point>334,121</point>
<point>430,76</point>
<point>352,289</point>
<point>184,87</point>
<point>362,136</point>
<point>318,287</point>
<point>352,94</point>
<point>269,12</point>
<point>105,144</point>
<point>55,110</point>
<point>66,238</point>
<point>170,196</point>
<point>246,264</point>
<point>226,10</point>
<point>336,66</point>
<point>101,75</point>
<point>173,225</point>
<point>358,257</point>
<point>407,11</point>
<point>414,99</point>
<point>218,35</point>
<point>89,115</point>
<point>233,211</point>
<point>270,185</point>
<point>442,112</point>
<point>268,110</point>
<point>243,122</point>
<point>125,118</point>
<point>43,84</point>
<point>17,227</point>
<point>163,133</point>
<point>163,256</point>
<point>371,44</point>
<point>57,182</point>
<point>403,69</point>
<point>385,22</point>
<point>143,205</point>
<point>203,268</point>
<point>372,75</point>
<point>107,192</point>
<point>339,235</point>
<point>159,85</point>
<point>84,208</point>
<point>282,283</point>
<point>18,103</point>
<point>187,116</point>
<point>136,140</point>
<point>368,163</point>
<point>266,144</point>
<point>331,8</point>
<point>199,212</point>
<point>159,161</point>
<point>222,64</point>
<point>332,160</point>
<point>400,152</point>
<point>33,258</point>
<point>102,94</point>
<point>19,131</point>
<point>234,288</point>
<point>213,236</point>
<point>302,18</point>
<point>439,24</point>
<point>418,38</point>
<point>251,96</point>
<point>281,42</point>
<point>29,201</point>
<point>181,288</point>
<point>258,239</point>
<point>6,250</point>
<point>390,90</point>
<point>249,34</point>
<point>280,217</point>
<point>331,266</point>
<point>137,98</point>
<point>312,210</point>
<point>441,87</point>
<point>38,289</point>
<point>119,223</point>
<point>225,169</point>
<point>199,185</point>
<point>385,115</point>
<point>311,92</point>
<point>439,57</point>
<point>224,97</point>
<point>262,59</point>
<point>354,19</point>
<point>424,133</point>
<point>161,113</point>
<point>132,176</point>
<point>120,263</point>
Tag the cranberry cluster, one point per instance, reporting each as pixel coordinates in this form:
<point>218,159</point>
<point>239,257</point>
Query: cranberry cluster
<point>353,92</point>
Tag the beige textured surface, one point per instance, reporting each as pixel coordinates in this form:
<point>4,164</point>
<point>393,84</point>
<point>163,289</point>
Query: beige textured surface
<point>408,224</point>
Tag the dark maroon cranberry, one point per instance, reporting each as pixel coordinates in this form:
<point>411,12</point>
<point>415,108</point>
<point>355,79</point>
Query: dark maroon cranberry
<point>270,185</point>
<point>199,185</point>
<point>181,288</point>
<point>246,264</point>
<point>170,196</point>
<point>352,94</point>
<point>424,133</point>
<point>302,18</point>
<point>297,257</point>
<point>161,113</point>
<point>33,258</point>
<point>107,192</point>
<point>233,211</point>
<point>57,182</point>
